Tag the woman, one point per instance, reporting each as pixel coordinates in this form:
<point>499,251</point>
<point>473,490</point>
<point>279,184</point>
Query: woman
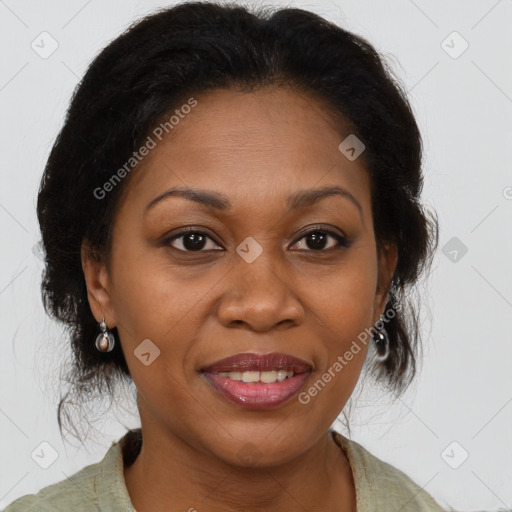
<point>231,219</point>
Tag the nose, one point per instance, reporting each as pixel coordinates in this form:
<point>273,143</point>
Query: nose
<point>258,296</point>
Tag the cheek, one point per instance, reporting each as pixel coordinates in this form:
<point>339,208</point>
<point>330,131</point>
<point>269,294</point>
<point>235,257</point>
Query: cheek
<point>152,306</point>
<point>150,297</point>
<point>343,306</point>
<point>168,305</point>
<point>344,346</point>
<point>344,320</point>
<point>344,298</point>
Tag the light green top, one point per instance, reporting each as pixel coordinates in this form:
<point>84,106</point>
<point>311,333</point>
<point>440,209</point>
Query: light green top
<point>380,487</point>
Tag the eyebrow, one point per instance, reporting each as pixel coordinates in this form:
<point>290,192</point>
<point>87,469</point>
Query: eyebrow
<point>217,201</point>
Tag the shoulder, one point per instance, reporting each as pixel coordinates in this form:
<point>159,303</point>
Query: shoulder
<point>380,485</point>
<point>78,492</point>
<point>98,486</point>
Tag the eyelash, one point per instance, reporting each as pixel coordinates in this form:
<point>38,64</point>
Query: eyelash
<point>342,241</point>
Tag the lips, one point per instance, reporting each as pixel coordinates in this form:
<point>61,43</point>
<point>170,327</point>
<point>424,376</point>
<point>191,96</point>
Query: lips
<point>258,381</point>
<point>260,363</point>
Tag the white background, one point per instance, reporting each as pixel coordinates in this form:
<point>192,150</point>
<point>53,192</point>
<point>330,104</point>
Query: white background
<point>464,108</point>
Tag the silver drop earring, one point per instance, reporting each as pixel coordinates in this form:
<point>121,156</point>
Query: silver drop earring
<point>381,343</point>
<point>105,340</point>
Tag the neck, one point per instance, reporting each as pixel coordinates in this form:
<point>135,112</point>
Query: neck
<point>169,473</point>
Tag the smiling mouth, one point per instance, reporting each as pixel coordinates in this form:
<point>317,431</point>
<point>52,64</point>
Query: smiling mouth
<point>258,381</point>
<point>266,377</point>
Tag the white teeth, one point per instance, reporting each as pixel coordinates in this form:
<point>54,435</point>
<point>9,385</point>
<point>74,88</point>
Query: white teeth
<point>281,375</point>
<point>232,375</point>
<point>266,377</point>
<point>250,376</point>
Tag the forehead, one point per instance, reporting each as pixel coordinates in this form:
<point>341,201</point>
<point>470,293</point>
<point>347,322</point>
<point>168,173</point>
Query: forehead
<point>261,144</point>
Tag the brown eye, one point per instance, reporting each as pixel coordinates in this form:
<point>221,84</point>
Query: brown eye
<point>318,240</point>
<point>191,241</point>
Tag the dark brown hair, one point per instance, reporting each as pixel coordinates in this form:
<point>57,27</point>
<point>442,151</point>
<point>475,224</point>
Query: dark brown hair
<point>185,50</point>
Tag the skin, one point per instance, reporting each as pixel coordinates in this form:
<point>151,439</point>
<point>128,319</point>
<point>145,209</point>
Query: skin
<point>199,307</point>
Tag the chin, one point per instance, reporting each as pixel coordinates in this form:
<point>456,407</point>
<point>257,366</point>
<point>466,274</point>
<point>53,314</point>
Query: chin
<point>256,448</point>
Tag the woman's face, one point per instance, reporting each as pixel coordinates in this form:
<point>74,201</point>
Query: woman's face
<point>251,281</point>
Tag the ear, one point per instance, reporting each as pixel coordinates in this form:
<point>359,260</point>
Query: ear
<point>98,287</point>
<point>388,257</point>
